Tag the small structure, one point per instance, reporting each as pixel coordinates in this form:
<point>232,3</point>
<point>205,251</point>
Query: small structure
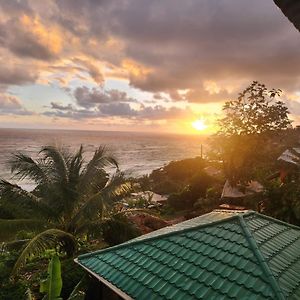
<point>221,255</point>
<point>291,156</point>
<point>151,197</point>
<point>240,191</point>
<point>289,163</point>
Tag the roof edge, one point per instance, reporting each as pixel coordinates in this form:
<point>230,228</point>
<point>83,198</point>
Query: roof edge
<point>259,256</point>
<point>128,243</point>
<point>104,281</point>
<point>277,220</point>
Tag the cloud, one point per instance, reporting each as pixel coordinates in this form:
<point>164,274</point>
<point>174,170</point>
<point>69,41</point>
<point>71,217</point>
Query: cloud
<point>211,49</point>
<point>118,109</point>
<point>11,105</point>
<point>86,97</point>
<point>58,106</point>
<point>163,45</point>
<point>159,112</point>
<point>28,37</point>
<point>113,103</point>
<point>186,44</point>
<point>16,75</point>
<point>92,69</point>
<point>9,102</point>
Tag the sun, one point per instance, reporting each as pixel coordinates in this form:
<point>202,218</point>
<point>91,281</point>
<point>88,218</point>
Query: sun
<point>199,125</point>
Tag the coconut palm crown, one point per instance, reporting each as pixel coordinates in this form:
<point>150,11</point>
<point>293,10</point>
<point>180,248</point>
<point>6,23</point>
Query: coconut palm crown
<point>69,201</point>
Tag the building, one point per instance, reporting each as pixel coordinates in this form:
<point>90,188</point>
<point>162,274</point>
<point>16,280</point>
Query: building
<point>220,255</point>
<point>291,9</point>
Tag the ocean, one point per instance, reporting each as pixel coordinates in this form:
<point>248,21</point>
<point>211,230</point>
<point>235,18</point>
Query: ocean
<point>137,153</point>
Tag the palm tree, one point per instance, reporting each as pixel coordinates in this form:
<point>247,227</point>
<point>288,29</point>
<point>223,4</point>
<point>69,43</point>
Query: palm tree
<point>69,202</point>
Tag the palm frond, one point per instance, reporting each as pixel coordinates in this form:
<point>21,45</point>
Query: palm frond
<point>18,196</point>
<point>75,164</point>
<point>49,239</point>
<point>97,182</point>
<point>117,186</point>
<point>58,160</point>
<point>94,205</point>
<point>100,160</point>
<point>23,166</point>
<point>9,228</point>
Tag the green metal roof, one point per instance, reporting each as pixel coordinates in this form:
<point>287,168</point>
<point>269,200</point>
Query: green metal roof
<point>220,255</point>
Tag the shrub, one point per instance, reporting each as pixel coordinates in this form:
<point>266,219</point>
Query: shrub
<point>13,291</point>
<point>118,230</point>
<point>189,195</point>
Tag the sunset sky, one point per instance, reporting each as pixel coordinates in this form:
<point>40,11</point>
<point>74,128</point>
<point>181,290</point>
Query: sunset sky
<point>140,65</point>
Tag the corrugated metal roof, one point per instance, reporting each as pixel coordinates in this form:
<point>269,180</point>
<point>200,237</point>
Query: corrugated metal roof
<point>239,191</point>
<point>291,156</point>
<point>220,255</point>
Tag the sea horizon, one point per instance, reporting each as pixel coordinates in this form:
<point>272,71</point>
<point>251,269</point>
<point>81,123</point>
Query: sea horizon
<point>138,153</point>
<point>193,134</point>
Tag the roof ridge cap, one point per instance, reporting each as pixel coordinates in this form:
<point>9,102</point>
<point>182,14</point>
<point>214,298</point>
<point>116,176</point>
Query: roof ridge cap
<point>261,259</point>
<point>134,242</point>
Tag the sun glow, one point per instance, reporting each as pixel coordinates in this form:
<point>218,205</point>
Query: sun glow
<point>199,125</point>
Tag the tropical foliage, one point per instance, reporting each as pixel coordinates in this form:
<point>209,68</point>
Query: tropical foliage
<point>69,203</point>
<point>255,111</point>
<point>252,130</point>
<point>52,285</point>
<point>195,190</point>
<point>175,176</point>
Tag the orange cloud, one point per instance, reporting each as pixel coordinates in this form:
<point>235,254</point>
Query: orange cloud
<point>134,69</point>
<point>49,37</point>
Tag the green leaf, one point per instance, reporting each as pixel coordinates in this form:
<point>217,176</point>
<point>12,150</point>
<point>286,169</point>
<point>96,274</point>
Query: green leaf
<point>48,239</point>
<point>52,286</point>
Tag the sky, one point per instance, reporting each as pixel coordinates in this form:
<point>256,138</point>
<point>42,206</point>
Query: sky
<point>140,65</point>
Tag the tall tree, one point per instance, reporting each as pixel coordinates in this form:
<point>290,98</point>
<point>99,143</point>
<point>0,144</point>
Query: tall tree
<point>255,111</point>
<point>69,201</point>
<point>247,131</point>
